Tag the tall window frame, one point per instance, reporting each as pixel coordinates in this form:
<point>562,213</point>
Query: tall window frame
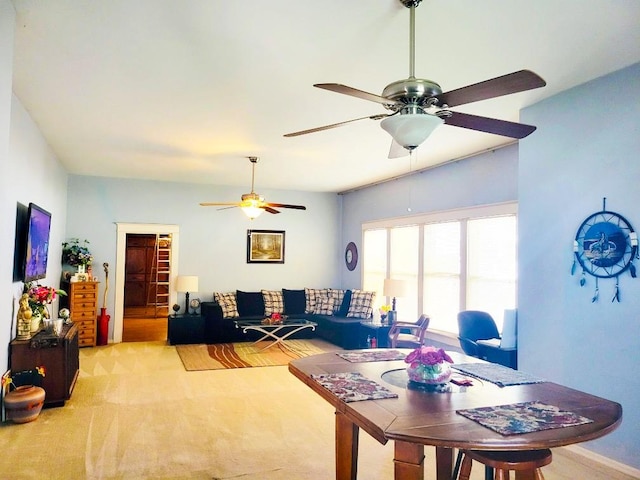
<point>423,222</point>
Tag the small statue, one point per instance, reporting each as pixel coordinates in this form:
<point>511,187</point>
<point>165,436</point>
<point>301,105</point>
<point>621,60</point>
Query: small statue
<point>24,318</point>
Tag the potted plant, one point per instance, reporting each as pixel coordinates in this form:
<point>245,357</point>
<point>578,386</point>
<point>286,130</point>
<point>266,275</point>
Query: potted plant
<point>77,254</point>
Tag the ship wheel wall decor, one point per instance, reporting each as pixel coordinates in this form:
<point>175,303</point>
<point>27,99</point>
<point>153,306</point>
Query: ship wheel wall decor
<point>605,247</point>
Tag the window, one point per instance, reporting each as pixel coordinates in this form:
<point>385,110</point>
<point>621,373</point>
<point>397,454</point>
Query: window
<point>456,260</point>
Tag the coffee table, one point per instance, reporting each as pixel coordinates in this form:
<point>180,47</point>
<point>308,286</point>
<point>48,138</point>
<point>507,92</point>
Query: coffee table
<point>277,332</point>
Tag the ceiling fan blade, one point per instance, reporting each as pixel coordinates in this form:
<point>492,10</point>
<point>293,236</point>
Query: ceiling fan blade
<point>334,125</point>
<point>397,150</point>
<point>489,125</point>
<point>496,87</point>
<point>285,205</point>
<point>217,204</point>
<point>269,209</point>
<point>354,92</point>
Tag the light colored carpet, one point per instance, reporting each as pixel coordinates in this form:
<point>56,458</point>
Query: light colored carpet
<point>137,414</point>
<point>243,355</point>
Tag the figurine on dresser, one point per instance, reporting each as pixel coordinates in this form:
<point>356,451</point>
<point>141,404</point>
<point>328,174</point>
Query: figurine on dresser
<point>24,318</point>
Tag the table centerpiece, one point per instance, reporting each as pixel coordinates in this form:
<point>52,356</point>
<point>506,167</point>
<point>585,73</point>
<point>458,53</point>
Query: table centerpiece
<point>429,365</point>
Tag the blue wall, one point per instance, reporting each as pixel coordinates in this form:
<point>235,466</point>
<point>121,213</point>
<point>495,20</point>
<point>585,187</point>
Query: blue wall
<point>586,148</point>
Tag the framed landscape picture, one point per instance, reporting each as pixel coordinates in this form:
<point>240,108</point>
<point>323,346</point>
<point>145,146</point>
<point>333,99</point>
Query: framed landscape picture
<point>265,246</point>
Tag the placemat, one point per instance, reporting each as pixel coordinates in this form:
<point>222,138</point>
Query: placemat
<point>498,374</point>
<point>372,356</point>
<point>527,417</point>
<point>353,387</point>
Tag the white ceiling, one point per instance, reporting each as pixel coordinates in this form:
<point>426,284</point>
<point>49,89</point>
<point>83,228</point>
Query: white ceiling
<point>183,90</point>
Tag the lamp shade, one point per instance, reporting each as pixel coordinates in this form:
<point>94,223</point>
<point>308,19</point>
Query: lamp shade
<point>411,129</point>
<point>187,283</point>
<point>394,288</point>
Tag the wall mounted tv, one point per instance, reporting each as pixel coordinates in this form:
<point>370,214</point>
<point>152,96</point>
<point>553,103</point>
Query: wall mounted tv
<point>37,243</point>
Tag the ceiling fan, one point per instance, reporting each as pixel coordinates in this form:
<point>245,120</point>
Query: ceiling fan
<point>418,106</point>
<point>253,204</point>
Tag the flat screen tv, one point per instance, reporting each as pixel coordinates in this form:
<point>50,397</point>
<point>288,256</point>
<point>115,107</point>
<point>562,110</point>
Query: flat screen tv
<point>37,243</point>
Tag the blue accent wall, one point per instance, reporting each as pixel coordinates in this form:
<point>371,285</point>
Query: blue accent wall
<point>586,147</point>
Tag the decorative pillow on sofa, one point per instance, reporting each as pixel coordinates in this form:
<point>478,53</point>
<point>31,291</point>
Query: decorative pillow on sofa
<point>295,301</point>
<point>311,295</point>
<point>338,297</point>
<point>227,302</point>
<point>361,305</point>
<point>324,305</point>
<point>273,302</point>
<point>250,304</point>
<point>346,301</point>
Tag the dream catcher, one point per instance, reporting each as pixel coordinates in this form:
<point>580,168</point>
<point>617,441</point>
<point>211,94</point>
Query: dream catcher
<point>605,247</point>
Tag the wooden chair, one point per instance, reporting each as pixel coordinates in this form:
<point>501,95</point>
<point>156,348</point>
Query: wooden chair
<point>408,334</point>
<point>526,463</point>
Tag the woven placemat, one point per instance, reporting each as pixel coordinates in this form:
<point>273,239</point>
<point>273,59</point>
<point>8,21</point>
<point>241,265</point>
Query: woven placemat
<point>498,374</point>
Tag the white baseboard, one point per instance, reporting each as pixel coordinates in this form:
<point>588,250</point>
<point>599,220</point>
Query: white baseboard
<point>620,467</point>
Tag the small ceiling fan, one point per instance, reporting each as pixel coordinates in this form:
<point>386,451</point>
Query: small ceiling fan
<point>253,204</point>
<point>418,106</point>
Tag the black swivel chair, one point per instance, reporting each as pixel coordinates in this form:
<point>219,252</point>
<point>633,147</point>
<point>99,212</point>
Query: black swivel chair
<point>474,325</point>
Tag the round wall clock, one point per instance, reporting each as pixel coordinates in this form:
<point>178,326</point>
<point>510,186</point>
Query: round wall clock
<point>351,256</point>
<point>605,247</point>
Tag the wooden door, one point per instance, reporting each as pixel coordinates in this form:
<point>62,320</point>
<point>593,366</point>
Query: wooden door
<point>139,261</point>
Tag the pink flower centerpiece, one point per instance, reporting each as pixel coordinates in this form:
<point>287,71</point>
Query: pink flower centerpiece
<point>429,365</point>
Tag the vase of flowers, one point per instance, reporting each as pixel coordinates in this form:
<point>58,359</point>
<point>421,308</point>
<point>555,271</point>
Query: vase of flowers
<point>429,365</point>
<point>39,297</point>
<point>384,311</point>
<point>76,254</point>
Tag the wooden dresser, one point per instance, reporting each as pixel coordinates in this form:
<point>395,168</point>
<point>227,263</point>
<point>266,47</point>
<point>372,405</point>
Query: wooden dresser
<point>83,304</point>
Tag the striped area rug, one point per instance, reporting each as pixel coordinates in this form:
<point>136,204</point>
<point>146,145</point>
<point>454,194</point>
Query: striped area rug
<point>243,355</point>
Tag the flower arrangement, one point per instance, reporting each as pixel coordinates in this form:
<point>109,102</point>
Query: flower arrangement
<point>76,254</point>
<point>384,310</point>
<point>275,319</point>
<point>429,364</point>
<point>40,297</point>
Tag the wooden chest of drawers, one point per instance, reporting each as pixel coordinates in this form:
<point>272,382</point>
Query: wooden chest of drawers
<point>83,304</point>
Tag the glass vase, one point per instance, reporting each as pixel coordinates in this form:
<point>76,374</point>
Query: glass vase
<point>437,374</point>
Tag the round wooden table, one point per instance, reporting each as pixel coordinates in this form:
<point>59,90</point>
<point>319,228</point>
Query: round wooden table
<point>417,418</point>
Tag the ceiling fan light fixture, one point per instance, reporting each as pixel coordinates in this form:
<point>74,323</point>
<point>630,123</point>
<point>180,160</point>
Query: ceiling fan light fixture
<point>252,210</point>
<point>411,129</point>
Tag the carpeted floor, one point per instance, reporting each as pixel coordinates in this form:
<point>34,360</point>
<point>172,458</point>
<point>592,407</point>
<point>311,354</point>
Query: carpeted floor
<point>137,414</point>
<point>245,354</point>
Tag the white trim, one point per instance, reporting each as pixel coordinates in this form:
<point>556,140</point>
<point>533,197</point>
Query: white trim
<point>122,229</point>
<point>606,461</point>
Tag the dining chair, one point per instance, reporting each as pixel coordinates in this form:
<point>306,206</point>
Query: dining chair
<point>503,462</point>
<point>408,334</point>
<point>474,325</point>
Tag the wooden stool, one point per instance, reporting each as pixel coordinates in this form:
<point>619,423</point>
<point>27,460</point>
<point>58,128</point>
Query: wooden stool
<point>526,463</point>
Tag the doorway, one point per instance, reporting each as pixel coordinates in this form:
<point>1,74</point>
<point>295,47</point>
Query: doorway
<point>147,273</point>
<point>146,262</point>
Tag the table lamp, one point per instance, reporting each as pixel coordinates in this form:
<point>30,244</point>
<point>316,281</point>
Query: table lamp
<point>186,284</point>
<point>394,288</point>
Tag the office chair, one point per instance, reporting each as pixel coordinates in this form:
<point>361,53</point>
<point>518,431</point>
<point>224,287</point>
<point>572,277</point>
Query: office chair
<point>408,334</point>
<point>475,325</point>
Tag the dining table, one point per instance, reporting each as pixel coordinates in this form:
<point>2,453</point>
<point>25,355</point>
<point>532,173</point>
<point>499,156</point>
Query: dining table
<point>387,406</point>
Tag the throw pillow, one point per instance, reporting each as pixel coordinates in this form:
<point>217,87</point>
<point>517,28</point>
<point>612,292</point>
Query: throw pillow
<point>346,301</point>
<point>361,305</point>
<point>324,305</point>
<point>250,304</point>
<point>311,295</point>
<point>273,302</point>
<point>338,297</point>
<point>227,302</point>
<point>295,301</point>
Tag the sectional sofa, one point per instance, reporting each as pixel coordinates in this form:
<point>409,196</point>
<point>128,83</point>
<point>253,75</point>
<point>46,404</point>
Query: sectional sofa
<point>337,312</point>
